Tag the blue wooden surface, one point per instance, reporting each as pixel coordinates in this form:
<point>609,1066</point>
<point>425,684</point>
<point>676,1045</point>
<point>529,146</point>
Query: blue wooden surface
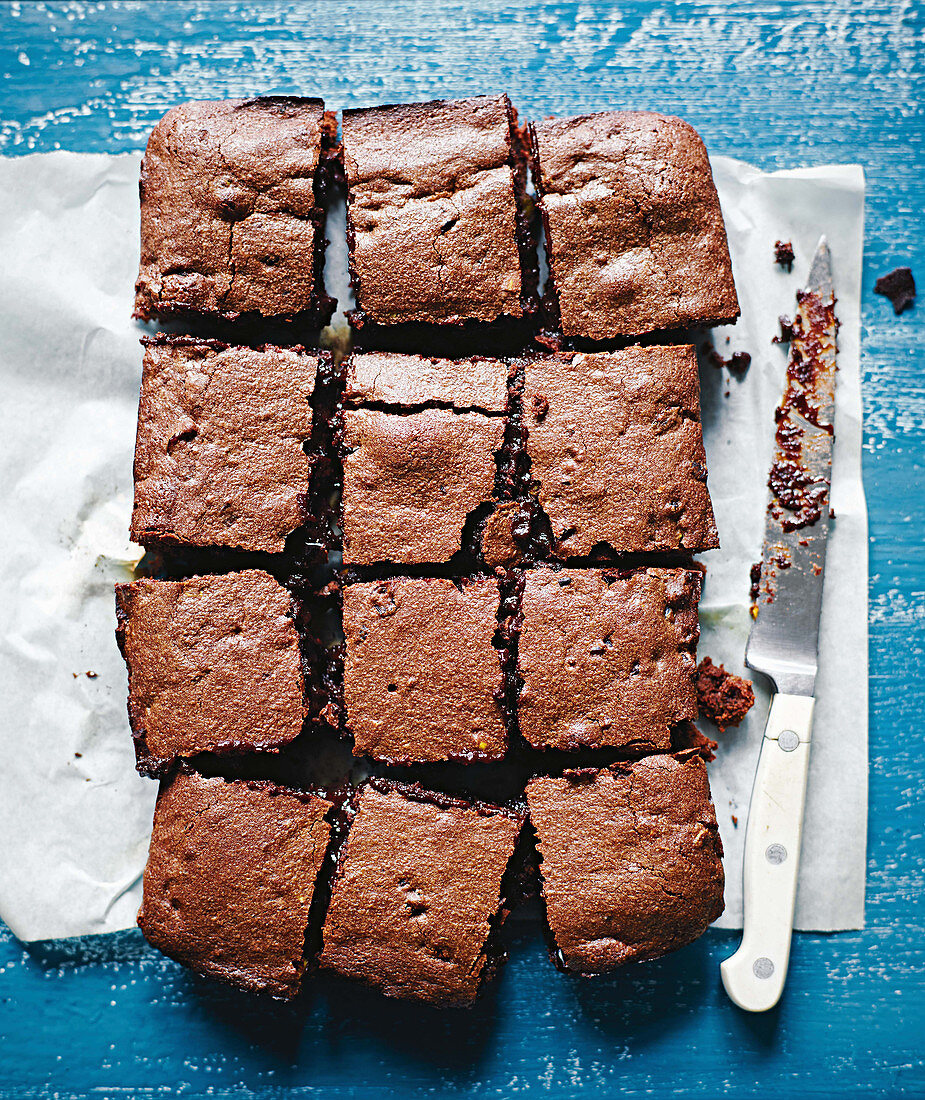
<point>777,83</point>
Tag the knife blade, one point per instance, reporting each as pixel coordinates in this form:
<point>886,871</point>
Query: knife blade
<point>783,643</point>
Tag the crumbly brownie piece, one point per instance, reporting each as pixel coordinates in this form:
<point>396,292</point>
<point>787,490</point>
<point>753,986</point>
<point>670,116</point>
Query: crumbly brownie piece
<point>422,678</point>
<point>634,232</point>
<point>230,877</point>
<point>435,213</point>
<point>630,859</point>
<point>411,481</point>
<point>616,450</point>
<point>607,658</point>
<point>413,381</point>
<point>231,217</point>
<point>213,666</point>
<point>899,287</point>
<point>417,893</point>
<point>219,456</point>
<point>723,697</point>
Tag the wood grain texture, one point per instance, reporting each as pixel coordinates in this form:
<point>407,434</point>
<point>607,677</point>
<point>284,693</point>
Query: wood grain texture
<point>775,82</point>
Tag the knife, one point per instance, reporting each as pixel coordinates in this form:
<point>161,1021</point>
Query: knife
<point>783,643</point>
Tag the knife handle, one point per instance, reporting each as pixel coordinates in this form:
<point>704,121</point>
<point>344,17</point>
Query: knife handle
<point>754,976</point>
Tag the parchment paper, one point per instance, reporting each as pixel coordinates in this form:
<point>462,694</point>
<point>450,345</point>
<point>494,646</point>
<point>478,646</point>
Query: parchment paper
<point>74,816</point>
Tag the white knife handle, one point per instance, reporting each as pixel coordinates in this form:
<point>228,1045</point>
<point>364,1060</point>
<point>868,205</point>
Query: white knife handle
<point>754,976</point>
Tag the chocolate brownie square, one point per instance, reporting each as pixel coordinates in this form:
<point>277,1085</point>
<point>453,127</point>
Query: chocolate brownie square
<point>635,238</point>
<point>607,658</point>
<point>230,877</point>
<point>231,210</point>
<point>435,216</point>
<point>616,453</point>
<point>220,454</point>
<point>630,859</point>
<point>419,454</point>
<point>213,666</point>
<point>422,678</point>
<point>417,893</point>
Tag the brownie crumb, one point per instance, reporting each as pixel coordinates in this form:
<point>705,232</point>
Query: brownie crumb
<point>754,575</point>
<point>786,330</point>
<point>899,287</point>
<point>783,254</point>
<point>78,755</point>
<point>723,698</point>
<point>737,363</point>
<point>735,821</point>
<point>91,675</point>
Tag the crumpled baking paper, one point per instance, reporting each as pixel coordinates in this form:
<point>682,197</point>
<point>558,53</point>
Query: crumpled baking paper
<point>74,815</point>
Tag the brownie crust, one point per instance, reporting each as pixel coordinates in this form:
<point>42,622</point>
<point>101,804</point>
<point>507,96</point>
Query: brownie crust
<point>616,451</point>
<point>630,860</point>
<point>408,381</point>
<point>219,454</point>
<point>213,666</point>
<point>417,890</point>
<point>634,232</point>
<point>230,876</point>
<point>231,220</point>
<point>422,678</point>
<point>606,658</point>
<point>432,208</point>
<point>411,481</point>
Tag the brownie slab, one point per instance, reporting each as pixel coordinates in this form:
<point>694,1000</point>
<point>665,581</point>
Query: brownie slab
<point>630,860</point>
<point>616,451</point>
<point>213,666</point>
<point>607,658</point>
<point>219,454</point>
<point>231,217</point>
<point>634,232</point>
<point>421,676</point>
<point>230,876</point>
<point>417,890</point>
<point>435,226</point>
<point>413,381</point>
<point>411,481</point>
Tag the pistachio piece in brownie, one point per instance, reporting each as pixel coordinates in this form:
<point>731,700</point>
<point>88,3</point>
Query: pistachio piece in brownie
<point>607,658</point>
<point>219,455</point>
<point>616,453</point>
<point>422,679</point>
<point>420,438</point>
<point>417,892</point>
<point>634,232</point>
<point>230,877</point>
<point>435,213</point>
<point>213,666</point>
<point>630,859</point>
<point>231,214</point>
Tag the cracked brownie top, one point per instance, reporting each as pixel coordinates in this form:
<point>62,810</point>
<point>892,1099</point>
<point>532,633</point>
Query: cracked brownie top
<point>630,859</point>
<point>606,657</point>
<point>422,679</point>
<point>634,232</point>
<point>219,454</point>
<point>230,210</point>
<point>434,215</point>
<point>417,890</point>
<point>407,381</point>
<point>616,451</point>
<point>230,877</point>
<point>214,665</point>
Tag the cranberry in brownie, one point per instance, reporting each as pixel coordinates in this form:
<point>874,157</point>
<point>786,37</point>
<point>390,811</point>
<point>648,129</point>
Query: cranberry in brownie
<point>213,666</point>
<point>219,454</point>
<point>630,859</point>
<point>634,232</point>
<point>434,206</point>
<point>419,453</point>
<point>230,877</point>
<point>421,675</point>
<point>417,892</point>
<point>231,217</point>
<point>616,450</point>
<point>607,658</point>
